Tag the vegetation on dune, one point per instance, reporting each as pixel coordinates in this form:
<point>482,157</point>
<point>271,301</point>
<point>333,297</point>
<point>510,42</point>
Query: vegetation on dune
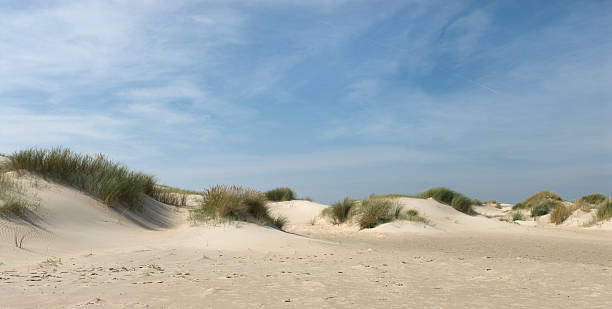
<point>236,203</point>
<point>604,210</point>
<point>172,196</point>
<point>413,215</point>
<point>540,197</point>
<point>12,204</point>
<point>559,214</point>
<point>373,212</point>
<point>517,217</point>
<point>519,206</point>
<point>591,200</point>
<point>476,202</point>
<point>97,175</point>
<point>280,194</point>
<point>340,211</point>
<point>447,196</point>
<point>545,208</point>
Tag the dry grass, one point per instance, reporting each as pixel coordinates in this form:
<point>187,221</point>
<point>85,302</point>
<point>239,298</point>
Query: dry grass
<point>539,198</point>
<point>97,175</point>
<point>559,214</point>
<point>236,203</point>
<point>340,211</point>
<point>373,212</point>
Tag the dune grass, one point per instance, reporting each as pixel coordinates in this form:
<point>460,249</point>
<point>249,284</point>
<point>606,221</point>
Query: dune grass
<point>236,203</point>
<point>447,196</point>
<point>373,212</point>
<point>540,198</point>
<point>589,202</point>
<point>545,208</point>
<point>12,204</point>
<point>519,206</point>
<point>280,194</point>
<point>340,211</point>
<point>171,196</point>
<point>604,210</point>
<point>559,214</point>
<point>517,217</point>
<point>413,215</point>
<point>96,175</point>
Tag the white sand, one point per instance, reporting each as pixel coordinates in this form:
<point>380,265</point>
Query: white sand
<point>82,253</point>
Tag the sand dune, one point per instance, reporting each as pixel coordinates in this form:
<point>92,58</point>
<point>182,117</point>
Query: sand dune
<point>79,253</point>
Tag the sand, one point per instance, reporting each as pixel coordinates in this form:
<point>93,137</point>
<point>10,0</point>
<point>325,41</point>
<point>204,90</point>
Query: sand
<point>80,253</point>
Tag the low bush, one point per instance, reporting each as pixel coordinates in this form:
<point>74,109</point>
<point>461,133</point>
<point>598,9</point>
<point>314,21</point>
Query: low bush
<point>544,208</point>
<point>559,214</point>
<point>96,175</point>
<point>541,197</point>
<point>236,203</point>
<point>447,196</point>
<point>340,211</point>
<point>280,194</point>
<point>518,217</point>
<point>519,206</point>
<point>592,199</point>
<point>373,212</point>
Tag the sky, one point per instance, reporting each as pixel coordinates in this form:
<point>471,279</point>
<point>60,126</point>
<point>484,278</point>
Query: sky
<point>495,99</point>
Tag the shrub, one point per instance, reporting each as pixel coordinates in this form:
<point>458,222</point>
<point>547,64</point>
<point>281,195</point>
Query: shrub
<point>544,208</point>
<point>234,203</point>
<point>519,206</point>
<point>559,214</point>
<point>340,211</point>
<point>280,194</point>
<point>518,217</point>
<point>450,197</point>
<point>604,210</point>
<point>96,175</point>
<point>373,212</point>
<point>592,199</point>
<point>541,197</point>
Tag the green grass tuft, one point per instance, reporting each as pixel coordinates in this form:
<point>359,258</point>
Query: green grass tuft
<point>519,206</point>
<point>591,199</point>
<point>233,203</point>
<point>373,212</point>
<point>541,197</point>
<point>280,194</point>
<point>604,210</point>
<point>447,196</point>
<point>280,222</point>
<point>544,208</point>
<point>518,217</point>
<point>340,211</point>
<point>96,175</point>
<point>559,214</point>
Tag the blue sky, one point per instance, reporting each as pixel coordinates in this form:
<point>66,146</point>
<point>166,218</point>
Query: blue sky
<point>496,99</point>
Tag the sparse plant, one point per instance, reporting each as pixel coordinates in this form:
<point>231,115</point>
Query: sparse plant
<point>517,216</point>
<point>280,194</point>
<point>19,238</point>
<point>413,215</point>
<point>155,267</point>
<point>280,222</point>
<point>53,262</point>
<point>559,214</point>
<point>340,211</point>
<point>476,202</point>
<point>544,208</point>
<point>169,196</point>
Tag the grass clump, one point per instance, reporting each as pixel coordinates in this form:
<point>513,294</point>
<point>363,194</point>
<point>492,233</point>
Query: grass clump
<point>373,212</point>
<point>280,194</point>
<point>236,203</point>
<point>519,206</point>
<point>447,196</point>
<point>604,210</point>
<point>593,199</point>
<point>518,217</point>
<point>97,175</point>
<point>413,215</point>
<point>170,196</point>
<point>545,208</point>
<point>559,214</point>
<point>541,197</point>
<point>340,211</point>
<point>12,203</point>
